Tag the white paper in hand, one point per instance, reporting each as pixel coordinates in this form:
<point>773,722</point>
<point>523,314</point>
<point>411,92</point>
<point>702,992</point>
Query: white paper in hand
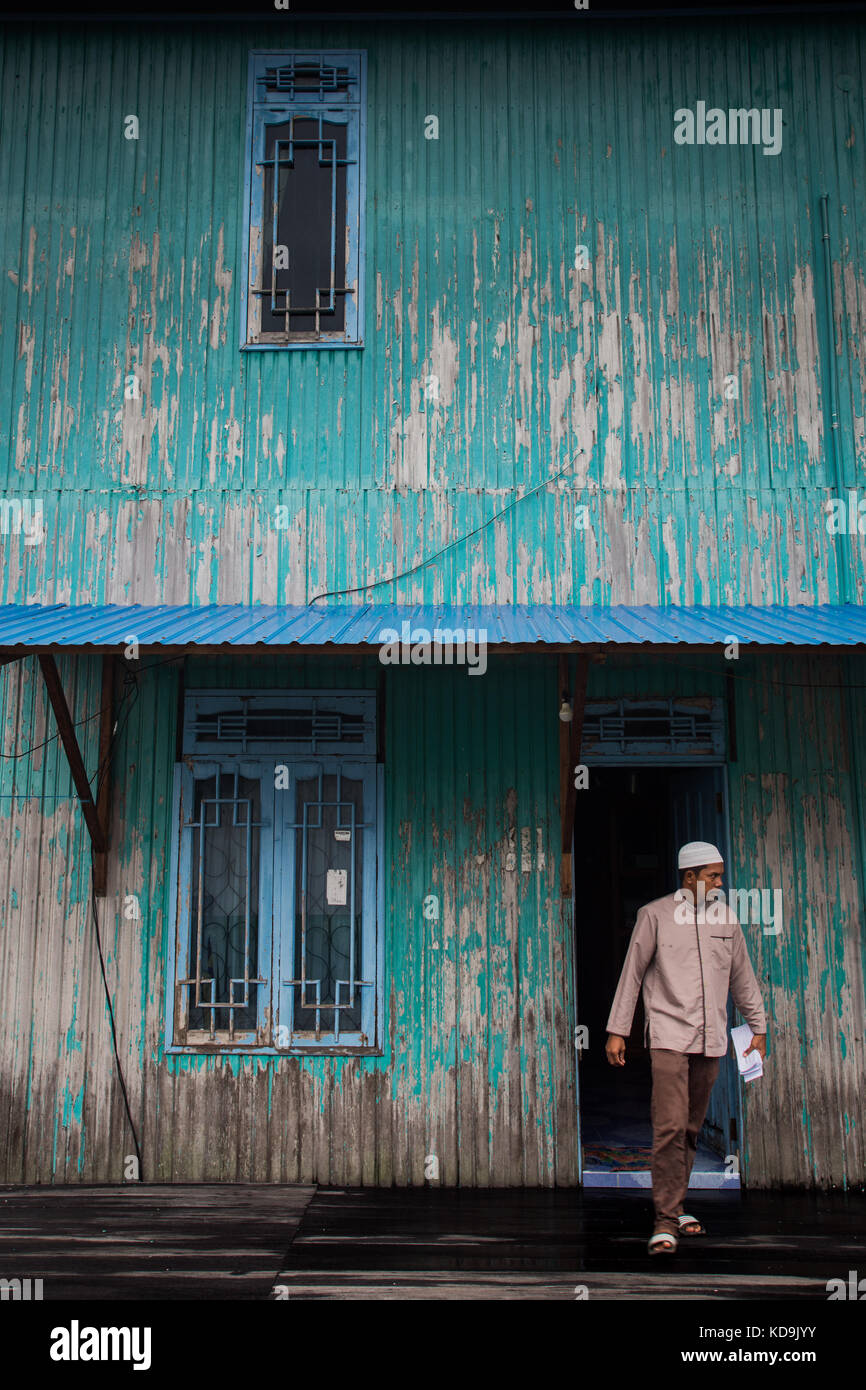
<point>751,1066</point>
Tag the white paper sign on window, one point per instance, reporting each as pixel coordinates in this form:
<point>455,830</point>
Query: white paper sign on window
<point>335,887</point>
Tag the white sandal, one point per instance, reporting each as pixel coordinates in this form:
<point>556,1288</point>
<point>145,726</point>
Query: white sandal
<point>656,1243</point>
<point>686,1220</point>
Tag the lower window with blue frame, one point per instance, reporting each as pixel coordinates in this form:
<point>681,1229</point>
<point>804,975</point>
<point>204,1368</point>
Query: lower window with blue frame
<point>275,944</point>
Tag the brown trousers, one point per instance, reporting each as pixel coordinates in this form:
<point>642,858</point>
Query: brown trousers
<point>682,1082</point>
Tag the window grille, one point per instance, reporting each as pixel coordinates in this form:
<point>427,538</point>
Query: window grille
<point>312,723</point>
<point>328,896</point>
<point>623,730</point>
<point>311,78</point>
<point>223,920</point>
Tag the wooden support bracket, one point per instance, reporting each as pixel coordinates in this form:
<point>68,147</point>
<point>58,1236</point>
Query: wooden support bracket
<point>73,752</point>
<point>103,790</point>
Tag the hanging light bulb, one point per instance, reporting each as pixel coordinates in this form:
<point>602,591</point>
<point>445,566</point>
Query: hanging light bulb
<point>566,713</point>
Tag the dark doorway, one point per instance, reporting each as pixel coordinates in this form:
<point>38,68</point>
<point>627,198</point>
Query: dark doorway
<point>629,824</point>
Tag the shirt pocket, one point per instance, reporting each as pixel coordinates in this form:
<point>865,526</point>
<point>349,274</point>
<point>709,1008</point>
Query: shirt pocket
<point>722,947</point>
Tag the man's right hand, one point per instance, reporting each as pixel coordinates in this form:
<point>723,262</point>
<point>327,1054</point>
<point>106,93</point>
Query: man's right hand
<point>615,1050</point>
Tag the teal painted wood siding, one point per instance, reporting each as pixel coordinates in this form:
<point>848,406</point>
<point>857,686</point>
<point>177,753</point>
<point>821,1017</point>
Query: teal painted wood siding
<point>478,1063</point>
<point>477,1067</point>
<point>494,359</point>
<point>494,356</point>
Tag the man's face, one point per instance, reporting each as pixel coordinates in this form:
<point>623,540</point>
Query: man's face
<point>710,875</point>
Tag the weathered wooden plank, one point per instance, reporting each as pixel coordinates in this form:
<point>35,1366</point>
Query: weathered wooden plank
<point>532,1245</point>
<point>160,1241</point>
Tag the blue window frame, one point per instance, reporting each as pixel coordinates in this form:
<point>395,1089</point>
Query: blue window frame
<point>275,944</point>
<point>304,195</point>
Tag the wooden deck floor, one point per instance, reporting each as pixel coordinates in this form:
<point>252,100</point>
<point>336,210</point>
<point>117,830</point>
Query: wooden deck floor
<point>230,1242</point>
<point>544,1245</point>
<point>149,1242</point>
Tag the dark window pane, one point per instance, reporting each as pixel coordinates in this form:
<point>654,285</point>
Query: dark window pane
<point>311,220</point>
<point>223,947</point>
<point>329,869</point>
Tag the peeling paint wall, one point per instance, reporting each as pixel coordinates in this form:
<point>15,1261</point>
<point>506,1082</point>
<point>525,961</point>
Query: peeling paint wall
<point>123,257</point>
<point>700,264</point>
<point>478,1062</point>
<point>797,816</point>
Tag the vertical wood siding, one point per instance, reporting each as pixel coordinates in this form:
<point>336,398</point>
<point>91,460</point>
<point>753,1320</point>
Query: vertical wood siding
<point>123,256</point>
<point>478,1063</point>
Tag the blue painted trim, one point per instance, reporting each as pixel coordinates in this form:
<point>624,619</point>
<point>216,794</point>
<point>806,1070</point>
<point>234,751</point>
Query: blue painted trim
<point>740,1086</point>
<point>171,925</point>
<point>642,1178</point>
<point>663,760</point>
<point>294,347</point>
<point>284,919</point>
<point>370,919</point>
<point>247,210</point>
<point>300,692</point>
<point>283,854</point>
<point>361,249</point>
<point>380,906</point>
<point>267,886</point>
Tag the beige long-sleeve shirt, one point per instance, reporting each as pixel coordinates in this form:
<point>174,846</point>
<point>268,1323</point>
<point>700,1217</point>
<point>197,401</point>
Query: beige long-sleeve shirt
<point>686,968</point>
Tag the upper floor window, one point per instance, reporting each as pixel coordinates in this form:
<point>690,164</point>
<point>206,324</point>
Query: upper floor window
<point>304,233</point>
<point>275,943</point>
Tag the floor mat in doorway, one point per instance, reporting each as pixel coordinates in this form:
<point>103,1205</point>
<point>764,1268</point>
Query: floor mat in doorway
<point>625,1157</point>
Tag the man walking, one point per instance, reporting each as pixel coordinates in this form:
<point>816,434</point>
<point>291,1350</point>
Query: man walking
<point>687,950</point>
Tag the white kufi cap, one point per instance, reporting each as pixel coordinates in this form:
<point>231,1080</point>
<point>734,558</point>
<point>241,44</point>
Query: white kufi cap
<point>697,853</point>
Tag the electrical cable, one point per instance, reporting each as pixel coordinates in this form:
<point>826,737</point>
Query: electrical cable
<point>36,746</point>
<point>118,1066</point>
<point>376,584</point>
<point>132,689</point>
<point>88,718</point>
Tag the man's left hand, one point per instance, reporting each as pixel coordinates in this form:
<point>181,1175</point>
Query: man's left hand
<point>758,1044</point>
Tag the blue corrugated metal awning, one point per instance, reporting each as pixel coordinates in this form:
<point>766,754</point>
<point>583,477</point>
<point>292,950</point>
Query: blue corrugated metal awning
<point>272,626</point>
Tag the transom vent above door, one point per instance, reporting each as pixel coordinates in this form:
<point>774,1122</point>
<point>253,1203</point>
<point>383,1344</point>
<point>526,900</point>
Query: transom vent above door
<point>623,730</point>
<point>309,722</point>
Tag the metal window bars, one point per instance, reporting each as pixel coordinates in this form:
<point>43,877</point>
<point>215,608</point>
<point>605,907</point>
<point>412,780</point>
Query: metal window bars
<point>619,726</point>
<point>248,722</point>
<point>214,950</point>
<point>313,818</point>
<point>307,79</point>
<point>328,158</point>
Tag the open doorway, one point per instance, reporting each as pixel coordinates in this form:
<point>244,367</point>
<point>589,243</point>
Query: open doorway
<point>629,824</point>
